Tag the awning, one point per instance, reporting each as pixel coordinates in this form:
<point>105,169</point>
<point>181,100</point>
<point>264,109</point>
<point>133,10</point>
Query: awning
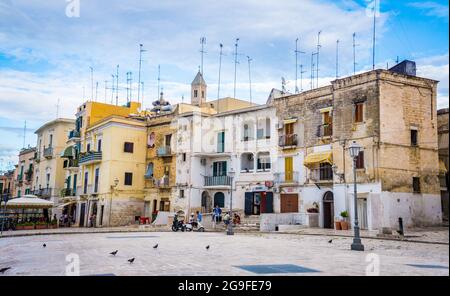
<point>288,121</point>
<point>328,109</point>
<point>318,157</point>
<point>442,168</point>
<point>67,204</point>
<point>67,153</point>
<point>29,202</point>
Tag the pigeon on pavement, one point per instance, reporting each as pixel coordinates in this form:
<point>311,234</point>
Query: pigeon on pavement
<point>207,247</point>
<point>3,270</point>
<point>330,241</point>
<point>155,246</point>
<point>131,260</point>
<point>44,245</point>
<point>114,253</point>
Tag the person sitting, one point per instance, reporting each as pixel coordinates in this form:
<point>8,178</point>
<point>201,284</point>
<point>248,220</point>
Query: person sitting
<point>227,218</point>
<point>192,220</point>
<point>236,219</point>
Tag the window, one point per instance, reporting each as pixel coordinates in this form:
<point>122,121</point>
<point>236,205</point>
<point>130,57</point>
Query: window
<point>416,184</point>
<point>128,147</point>
<point>97,174</point>
<point>85,182</point>
<point>247,162</point>
<point>149,173</point>
<point>181,193</point>
<point>414,137</point>
<point>195,93</point>
<point>128,179</point>
<point>48,179</point>
<point>99,145</point>
<point>263,162</point>
<point>325,172</point>
<point>220,168</point>
<point>88,147</point>
<point>168,139</point>
<point>360,160</point>
<point>184,156</point>
<point>221,142</point>
<point>263,131</point>
<point>50,141</point>
<point>246,132</point>
<point>203,93</point>
<point>359,110</point>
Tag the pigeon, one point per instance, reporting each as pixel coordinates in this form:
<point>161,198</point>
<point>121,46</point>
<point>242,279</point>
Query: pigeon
<point>330,241</point>
<point>114,253</point>
<point>207,247</point>
<point>44,245</point>
<point>155,246</point>
<point>3,270</point>
<point>131,260</point>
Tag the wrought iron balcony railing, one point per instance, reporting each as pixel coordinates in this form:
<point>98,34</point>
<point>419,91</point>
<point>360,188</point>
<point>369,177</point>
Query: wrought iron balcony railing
<point>74,134</point>
<point>288,140</point>
<point>324,130</point>
<point>217,181</point>
<point>321,174</point>
<point>286,177</point>
<point>90,157</point>
<point>48,152</point>
<point>164,151</point>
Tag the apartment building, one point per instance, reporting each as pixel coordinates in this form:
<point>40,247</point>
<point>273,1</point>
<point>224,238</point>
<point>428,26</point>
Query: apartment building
<point>24,172</point>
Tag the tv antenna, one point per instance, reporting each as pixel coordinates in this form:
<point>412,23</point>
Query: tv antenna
<point>318,53</point>
<point>117,85</point>
<point>141,50</point>
<point>92,83</point>
<point>312,69</point>
<point>296,65</point>
<point>129,85</point>
<point>337,59</point>
<point>57,108</point>
<point>202,51</point>
<point>354,53</point>
<point>249,77</point>
<point>142,95</point>
<point>301,77</point>
<point>235,65</point>
<point>106,87</point>
<point>159,80</point>
<point>375,9</point>
<point>220,68</point>
<point>96,91</point>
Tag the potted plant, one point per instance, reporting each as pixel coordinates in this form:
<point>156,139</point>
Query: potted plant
<point>337,225</point>
<point>41,225</point>
<point>344,223</point>
<point>25,226</point>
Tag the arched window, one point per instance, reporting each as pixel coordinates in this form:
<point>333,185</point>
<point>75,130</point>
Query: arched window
<point>219,199</point>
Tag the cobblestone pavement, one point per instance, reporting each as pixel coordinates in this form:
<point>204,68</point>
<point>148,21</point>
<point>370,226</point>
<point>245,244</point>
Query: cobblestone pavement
<point>185,254</point>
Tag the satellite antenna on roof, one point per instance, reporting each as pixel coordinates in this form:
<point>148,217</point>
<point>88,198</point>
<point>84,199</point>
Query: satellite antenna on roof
<point>296,65</point>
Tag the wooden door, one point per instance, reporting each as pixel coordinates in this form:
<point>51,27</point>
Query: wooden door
<point>289,169</point>
<point>289,203</point>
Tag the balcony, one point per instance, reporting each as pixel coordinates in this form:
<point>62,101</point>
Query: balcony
<point>163,182</point>
<point>43,192</point>
<point>287,178</point>
<point>214,181</point>
<point>323,174</point>
<point>28,175</point>
<point>37,156</point>
<point>48,152</point>
<point>288,141</point>
<point>74,135</point>
<point>68,192</point>
<point>164,151</point>
<point>90,157</point>
<point>70,164</point>
<point>324,130</point>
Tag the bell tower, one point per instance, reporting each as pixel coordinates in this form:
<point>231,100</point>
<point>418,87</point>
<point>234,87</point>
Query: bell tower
<point>198,90</point>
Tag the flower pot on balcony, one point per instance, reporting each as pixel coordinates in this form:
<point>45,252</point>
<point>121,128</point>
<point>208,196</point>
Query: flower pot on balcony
<point>337,225</point>
<point>344,225</point>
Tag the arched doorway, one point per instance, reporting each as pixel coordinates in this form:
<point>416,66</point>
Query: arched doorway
<point>219,199</point>
<point>206,202</point>
<point>328,210</point>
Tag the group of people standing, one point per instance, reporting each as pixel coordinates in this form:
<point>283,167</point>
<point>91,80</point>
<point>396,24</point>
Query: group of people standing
<point>217,216</point>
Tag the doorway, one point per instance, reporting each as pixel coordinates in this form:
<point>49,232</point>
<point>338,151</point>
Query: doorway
<point>82,214</point>
<point>362,213</point>
<point>289,203</point>
<point>206,202</point>
<point>328,210</point>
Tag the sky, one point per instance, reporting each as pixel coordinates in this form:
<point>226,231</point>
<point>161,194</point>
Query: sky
<point>47,48</point>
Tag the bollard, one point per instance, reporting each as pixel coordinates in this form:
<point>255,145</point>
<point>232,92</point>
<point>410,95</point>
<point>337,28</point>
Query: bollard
<point>400,225</point>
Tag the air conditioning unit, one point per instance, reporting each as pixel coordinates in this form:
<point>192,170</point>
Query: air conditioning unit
<point>203,161</point>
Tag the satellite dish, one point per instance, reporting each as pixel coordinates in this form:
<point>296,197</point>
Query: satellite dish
<point>151,140</point>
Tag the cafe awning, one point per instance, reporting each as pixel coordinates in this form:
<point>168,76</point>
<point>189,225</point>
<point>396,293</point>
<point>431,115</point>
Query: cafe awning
<point>67,204</point>
<point>28,202</point>
<point>288,121</point>
<point>442,168</point>
<point>318,157</point>
<point>67,153</point>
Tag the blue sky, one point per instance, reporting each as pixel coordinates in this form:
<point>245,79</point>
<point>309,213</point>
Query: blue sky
<point>46,55</point>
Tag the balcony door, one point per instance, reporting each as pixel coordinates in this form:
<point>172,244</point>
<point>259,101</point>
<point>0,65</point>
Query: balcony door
<point>219,168</point>
<point>289,168</point>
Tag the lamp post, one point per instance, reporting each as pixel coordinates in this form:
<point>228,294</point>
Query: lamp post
<point>354,150</point>
<point>231,174</point>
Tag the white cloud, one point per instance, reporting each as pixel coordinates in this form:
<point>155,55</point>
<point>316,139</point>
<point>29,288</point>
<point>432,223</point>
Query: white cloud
<point>432,8</point>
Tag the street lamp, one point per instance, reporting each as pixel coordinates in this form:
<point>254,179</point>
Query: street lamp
<point>354,150</point>
<point>231,174</point>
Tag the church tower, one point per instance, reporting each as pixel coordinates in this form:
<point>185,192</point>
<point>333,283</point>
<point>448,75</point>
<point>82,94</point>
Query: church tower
<point>198,90</point>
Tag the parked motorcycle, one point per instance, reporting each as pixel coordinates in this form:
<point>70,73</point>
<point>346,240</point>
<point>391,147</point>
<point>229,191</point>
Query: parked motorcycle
<point>194,226</point>
<point>178,224</point>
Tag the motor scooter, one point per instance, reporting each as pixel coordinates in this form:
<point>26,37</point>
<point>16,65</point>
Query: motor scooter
<point>197,226</point>
<point>178,224</point>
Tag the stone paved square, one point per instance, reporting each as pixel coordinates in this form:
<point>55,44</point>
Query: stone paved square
<point>185,254</point>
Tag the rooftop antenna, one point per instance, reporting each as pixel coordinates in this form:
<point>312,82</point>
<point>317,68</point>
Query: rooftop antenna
<point>249,77</point>
<point>112,88</point>
<point>141,50</point>
<point>354,53</point>
<point>235,65</point>
<point>142,96</point>
<point>283,85</point>
<point>202,51</point>
<point>220,68</point>
<point>57,108</point>
<point>318,53</point>
<point>117,85</point>
<point>92,83</point>
<point>301,77</point>
<point>375,9</point>
<point>96,91</point>
<point>129,86</point>
<point>337,59</point>
<point>296,65</point>
<point>312,69</point>
<point>159,79</point>
<point>106,87</point>
<point>24,132</point>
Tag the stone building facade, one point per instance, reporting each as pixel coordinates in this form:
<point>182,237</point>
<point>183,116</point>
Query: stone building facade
<point>24,181</point>
<point>443,159</point>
